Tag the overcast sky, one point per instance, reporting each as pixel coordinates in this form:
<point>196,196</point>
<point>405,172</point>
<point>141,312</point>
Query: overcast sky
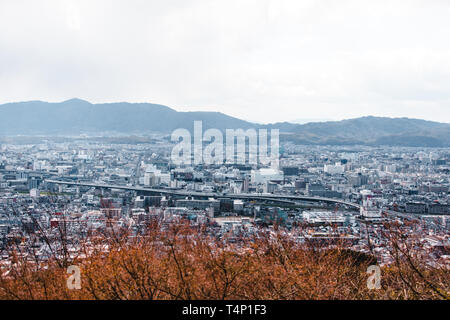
<point>260,60</point>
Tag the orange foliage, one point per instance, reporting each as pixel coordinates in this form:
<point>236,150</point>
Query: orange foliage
<point>185,263</point>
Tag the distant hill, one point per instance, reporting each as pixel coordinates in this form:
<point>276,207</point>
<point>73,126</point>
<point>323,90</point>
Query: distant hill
<point>75,116</point>
<point>370,131</point>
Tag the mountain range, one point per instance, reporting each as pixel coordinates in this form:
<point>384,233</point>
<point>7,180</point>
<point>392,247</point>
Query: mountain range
<point>76,116</point>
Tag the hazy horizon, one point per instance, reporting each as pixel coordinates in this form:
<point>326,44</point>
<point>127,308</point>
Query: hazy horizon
<point>294,121</point>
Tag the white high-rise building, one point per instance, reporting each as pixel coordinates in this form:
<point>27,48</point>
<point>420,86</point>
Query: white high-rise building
<point>266,174</point>
<point>368,210</point>
<point>334,169</point>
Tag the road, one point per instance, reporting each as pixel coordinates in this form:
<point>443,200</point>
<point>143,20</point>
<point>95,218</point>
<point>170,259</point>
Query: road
<point>241,196</point>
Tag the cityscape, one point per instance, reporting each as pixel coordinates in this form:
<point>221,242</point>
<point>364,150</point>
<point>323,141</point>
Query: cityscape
<point>223,159</point>
<point>326,196</point>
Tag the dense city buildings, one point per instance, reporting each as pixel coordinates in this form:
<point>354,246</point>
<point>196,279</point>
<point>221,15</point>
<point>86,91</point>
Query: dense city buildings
<point>318,193</point>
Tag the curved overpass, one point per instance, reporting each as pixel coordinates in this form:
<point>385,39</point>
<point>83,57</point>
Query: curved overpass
<point>242,196</point>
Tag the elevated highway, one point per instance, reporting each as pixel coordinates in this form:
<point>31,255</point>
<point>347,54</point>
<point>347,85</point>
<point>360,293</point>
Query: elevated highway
<point>194,194</point>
